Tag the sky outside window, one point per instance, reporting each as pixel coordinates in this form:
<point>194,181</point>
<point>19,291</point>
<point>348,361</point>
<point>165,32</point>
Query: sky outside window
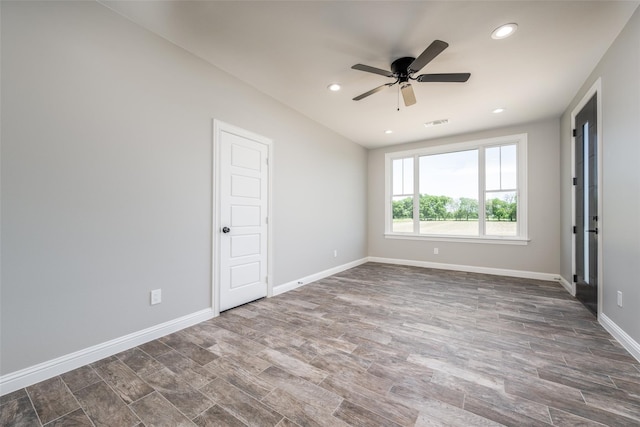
<point>450,174</point>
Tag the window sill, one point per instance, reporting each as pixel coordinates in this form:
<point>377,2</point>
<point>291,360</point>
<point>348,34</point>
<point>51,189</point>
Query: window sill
<point>520,241</point>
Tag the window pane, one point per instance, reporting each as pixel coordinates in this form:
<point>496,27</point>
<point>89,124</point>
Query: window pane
<point>509,167</point>
<point>585,198</point>
<point>402,211</point>
<point>492,167</point>
<point>403,176</point>
<point>449,193</point>
<point>397,176</point>
<point>407,175</point>
<point>502,213</point>
<point>501,167</point>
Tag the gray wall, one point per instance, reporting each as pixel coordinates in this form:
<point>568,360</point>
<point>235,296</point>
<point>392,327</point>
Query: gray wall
<point>619,71</point>
<point>541,255</point>
<point>106,180</point>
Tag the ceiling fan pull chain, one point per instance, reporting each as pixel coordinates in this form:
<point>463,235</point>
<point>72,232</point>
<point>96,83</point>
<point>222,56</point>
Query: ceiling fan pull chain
<point>398,98</point>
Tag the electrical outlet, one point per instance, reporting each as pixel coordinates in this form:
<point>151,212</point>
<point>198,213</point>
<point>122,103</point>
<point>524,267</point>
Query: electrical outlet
<point>335,253</point>
<point>436,251</point>
<point>156,296</point>
<point>619,299</point>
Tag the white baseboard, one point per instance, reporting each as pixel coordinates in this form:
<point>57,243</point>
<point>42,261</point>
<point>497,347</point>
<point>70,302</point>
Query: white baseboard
<point>621,336</point>
<point>42,371</point>
<point>471,269</point>
<point>570,287</point>
<point>34,374</point>
<point>49,369</point>
<point>286,287</point>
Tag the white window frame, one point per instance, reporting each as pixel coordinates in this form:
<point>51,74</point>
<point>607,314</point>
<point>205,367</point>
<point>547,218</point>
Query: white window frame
<point>522,237</point>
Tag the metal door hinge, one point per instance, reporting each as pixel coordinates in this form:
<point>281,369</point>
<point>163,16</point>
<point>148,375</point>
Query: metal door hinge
<point>574,133</point>
<point>575,180</point>
<point>575,230</point>
<point>575,278</point>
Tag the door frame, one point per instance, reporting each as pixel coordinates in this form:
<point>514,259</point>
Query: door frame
<point>219,127</point>
<point>596,88</point>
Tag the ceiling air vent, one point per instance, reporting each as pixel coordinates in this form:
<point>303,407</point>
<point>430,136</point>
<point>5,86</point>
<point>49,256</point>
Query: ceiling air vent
<point>436,123</point>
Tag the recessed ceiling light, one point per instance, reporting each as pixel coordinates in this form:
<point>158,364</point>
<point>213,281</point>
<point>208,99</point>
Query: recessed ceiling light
<point>436,123</point>
<point>504,31</point>
<point>334,87</point>
<point>498,110</point>
<point>388,131</point>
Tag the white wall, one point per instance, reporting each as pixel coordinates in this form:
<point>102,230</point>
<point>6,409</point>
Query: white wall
<point>542,253</point>
<point>106,175</point>
<point>619,71</point>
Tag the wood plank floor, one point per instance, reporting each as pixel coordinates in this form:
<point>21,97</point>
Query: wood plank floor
<point>377,345</point>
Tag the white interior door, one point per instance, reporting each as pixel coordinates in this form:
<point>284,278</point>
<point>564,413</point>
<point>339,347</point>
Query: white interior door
<point>243,217</point>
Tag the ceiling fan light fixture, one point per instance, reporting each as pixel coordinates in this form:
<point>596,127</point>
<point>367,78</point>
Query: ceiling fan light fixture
<point>334,87</point>
<point>504,31</point>
<point>436,123</point>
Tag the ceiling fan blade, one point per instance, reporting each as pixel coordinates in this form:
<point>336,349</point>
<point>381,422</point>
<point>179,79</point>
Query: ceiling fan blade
<point>372,91</point>
<point>408,95</point>
<point>373,70</point>
<point>450,77</point>
<point>427,56</point>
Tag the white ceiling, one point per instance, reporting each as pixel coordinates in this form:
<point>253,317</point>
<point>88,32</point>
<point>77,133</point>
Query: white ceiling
<point>291,50</point>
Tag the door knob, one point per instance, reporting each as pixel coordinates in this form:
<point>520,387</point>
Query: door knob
<point>226,229</point>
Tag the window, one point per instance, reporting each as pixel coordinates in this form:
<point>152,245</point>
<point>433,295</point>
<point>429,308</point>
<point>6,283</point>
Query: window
<point>474,190</point>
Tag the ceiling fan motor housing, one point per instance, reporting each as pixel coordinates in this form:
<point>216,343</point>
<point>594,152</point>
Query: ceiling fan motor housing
<point>400,68</point>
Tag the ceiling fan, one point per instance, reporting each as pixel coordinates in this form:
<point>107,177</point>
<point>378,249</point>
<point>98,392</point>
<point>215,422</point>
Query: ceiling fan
<point>403,69</point>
